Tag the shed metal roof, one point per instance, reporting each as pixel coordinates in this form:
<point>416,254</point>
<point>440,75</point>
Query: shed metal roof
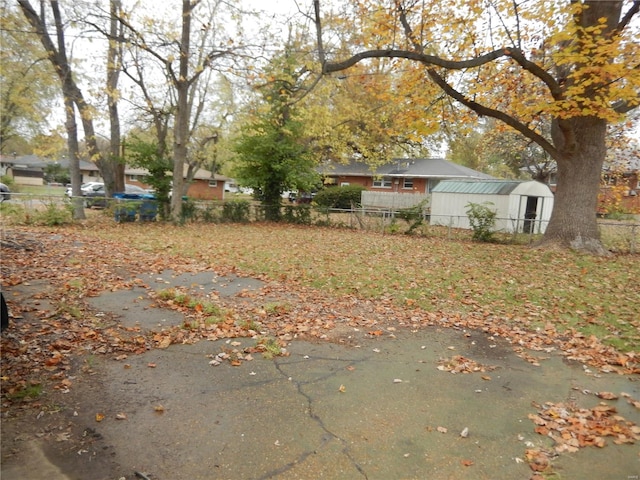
<point>487,187</point>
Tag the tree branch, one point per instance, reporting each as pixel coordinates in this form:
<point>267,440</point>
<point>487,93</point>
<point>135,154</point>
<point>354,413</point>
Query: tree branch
<point>490,112</point>
<point>635,8</point>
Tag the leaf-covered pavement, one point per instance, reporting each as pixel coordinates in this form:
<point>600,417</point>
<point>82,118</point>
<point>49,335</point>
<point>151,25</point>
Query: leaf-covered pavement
<point>320,284</point>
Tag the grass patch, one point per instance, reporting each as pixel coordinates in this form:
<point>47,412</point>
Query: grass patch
<point>250,325</point>
<point>212,313</point>
<point>213,320</point>
<point>269,347</point>
<point>31,392</point>
<point>513,283</point>
<point>277,308</point>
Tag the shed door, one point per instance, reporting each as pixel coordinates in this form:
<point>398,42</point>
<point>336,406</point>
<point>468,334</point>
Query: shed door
<point>530,213</point>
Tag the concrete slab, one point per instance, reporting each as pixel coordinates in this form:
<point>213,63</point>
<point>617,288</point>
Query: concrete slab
<point>378,409</point>
<point>134,308</point>
<point>338,412</point>
<point>202,283</point>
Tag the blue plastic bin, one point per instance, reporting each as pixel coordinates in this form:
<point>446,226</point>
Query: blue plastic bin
<point>126,208</point>
<point>148,208</point>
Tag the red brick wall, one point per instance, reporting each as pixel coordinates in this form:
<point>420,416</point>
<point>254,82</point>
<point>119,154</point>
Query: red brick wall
<point>200,189</point>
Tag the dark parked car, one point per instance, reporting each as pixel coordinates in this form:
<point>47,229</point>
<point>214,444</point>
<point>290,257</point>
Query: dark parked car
<point>96,197</point>
<point>5,193</point>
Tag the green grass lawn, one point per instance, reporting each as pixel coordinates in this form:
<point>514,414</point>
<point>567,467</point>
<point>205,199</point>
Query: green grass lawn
<point>514,284</point>
<point>38,190</point>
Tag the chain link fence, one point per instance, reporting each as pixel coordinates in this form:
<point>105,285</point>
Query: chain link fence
<point>620,236</point>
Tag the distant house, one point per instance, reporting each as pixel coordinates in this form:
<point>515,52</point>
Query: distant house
<point>25,170</point>
<point>620,190</point>
<point>204,186</point>
<point>520,206</point>
<point>207,186</point>
<point>29,170</point>
<point>402,183</point>
<point>401,175</point>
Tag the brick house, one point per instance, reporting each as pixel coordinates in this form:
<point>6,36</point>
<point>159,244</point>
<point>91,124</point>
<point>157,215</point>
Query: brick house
<point>401,175</point>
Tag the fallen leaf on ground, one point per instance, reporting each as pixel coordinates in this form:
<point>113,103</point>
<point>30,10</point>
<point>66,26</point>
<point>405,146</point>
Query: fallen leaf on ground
<point>607,395</point>
<point>538,460</point>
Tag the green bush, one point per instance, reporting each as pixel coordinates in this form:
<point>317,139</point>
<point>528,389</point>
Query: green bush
<point>482,220</point>
<point>189,211</point>
<point>297,214</point>
<point>413,215</point>
<point>340,197</point>
<point>236,211</point>
<point>211,214</point>
<point>8,181</point>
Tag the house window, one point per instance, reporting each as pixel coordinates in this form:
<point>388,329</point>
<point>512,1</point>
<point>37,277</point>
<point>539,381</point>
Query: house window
<point>383,182</point>
<point>344,184</point>
<point>407,183</point>
<point>134,178</point>
<point>213,183</point>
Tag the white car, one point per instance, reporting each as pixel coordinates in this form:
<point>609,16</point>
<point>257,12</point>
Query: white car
<point>85,188</point>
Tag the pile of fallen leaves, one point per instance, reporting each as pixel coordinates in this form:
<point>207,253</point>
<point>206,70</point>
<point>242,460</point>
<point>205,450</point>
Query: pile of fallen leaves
<point>460,364</point>
<point>572,428</point>
<point>570,343</point>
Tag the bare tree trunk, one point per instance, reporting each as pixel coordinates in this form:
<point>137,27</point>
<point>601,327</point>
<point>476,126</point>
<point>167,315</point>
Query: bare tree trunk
<point>181,132</point>
<point>60,62</point>
<point>114,164</point>
<point>71,126</point>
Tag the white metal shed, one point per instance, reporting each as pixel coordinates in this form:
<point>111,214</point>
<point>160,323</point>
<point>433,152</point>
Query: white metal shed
<point>521,206</point>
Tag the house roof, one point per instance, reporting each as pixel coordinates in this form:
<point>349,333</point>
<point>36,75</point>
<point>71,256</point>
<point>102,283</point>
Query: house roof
<point>34,161</point>
<point>486,187</point>
<point>31,162</point>
<point>406,167</point>
<point>201,173</point>
<point>25,161</point>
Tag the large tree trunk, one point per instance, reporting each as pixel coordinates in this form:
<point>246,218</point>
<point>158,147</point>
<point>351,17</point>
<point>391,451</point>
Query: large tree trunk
<point>115,162</point>
<point>181,131</point>
<point>573,221</point>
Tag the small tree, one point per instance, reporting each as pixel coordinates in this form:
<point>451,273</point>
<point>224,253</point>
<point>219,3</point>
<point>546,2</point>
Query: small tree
<point>482,220</point>
<point>145,155</point>
<point>272,153</point>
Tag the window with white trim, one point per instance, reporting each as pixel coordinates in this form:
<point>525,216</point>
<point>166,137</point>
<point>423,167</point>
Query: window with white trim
<point>407,183</point>
<point>213,183</point>
<point>382,182</point>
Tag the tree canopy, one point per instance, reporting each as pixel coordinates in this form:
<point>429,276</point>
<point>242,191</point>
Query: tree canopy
<point>274,155</point>
<point>572,65</point>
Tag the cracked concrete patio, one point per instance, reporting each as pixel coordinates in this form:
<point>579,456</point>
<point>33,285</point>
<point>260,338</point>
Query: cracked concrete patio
<point>368,410</point>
